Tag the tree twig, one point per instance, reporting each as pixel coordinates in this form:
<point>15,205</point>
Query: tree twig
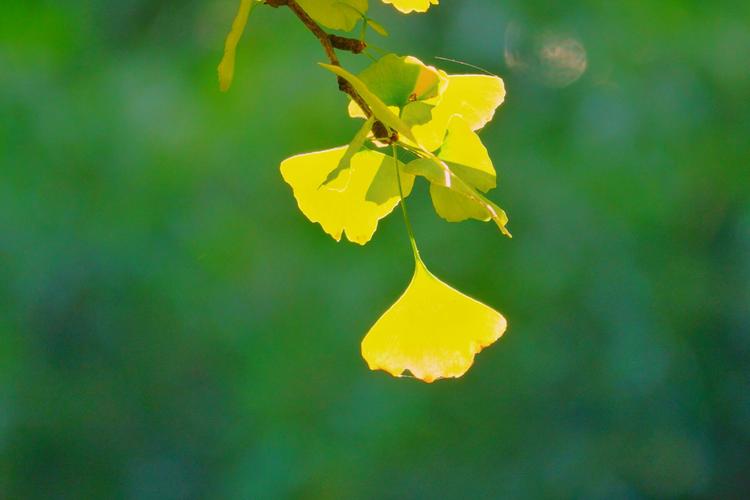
<point>330,43</point>
<point>353,45</point>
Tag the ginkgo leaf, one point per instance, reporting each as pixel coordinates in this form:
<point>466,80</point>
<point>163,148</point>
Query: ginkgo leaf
<point>355,201</point>
<point>226,66</point>
<point>379,108</point>
<point>399,80</point>
<point>457,175</point>
<point>459,201</point>
<point>408,6</point>
<point>404,82</point>
<point>455,207</point>
<point>335,14</point>
<point>432,331</point>
<point>467,157</point>
<point>417,113</point>
<point>473,97</point>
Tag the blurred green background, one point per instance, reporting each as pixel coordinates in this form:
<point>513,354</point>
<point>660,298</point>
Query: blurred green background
<point>172,327</point>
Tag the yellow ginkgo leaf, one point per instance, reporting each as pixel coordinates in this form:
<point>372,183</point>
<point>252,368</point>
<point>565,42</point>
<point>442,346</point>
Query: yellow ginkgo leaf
<point>473,97</point>
<point>468,159</point>
<point>335,14</point>
<point>408,6</point>
<point>433,331</point>
<point>455,207</point>
<point>356,200</point>
<point>458,175</point>
<point>226,66</point>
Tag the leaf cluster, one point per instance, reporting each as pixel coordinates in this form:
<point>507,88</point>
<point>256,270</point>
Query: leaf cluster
<point>418,122</point>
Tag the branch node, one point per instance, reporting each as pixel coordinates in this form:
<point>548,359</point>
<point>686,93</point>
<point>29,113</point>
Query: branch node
<point>350,44</point>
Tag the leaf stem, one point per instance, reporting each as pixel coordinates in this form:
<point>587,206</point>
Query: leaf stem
<point>409,229</point>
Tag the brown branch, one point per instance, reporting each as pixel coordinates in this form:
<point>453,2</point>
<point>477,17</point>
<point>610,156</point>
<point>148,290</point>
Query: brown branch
<point>330,43</point>
<point>351,44</point>
<point>316,30</point>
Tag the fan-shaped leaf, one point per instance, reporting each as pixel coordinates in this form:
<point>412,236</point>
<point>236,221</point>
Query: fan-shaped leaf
<point>353,202</point>
<point>473,97</point>
<point>433,331</point>
<point>458,173</point>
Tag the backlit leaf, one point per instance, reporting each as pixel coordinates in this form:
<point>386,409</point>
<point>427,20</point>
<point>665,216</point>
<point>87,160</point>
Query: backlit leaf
<point>352,203</point>
<point>399,80</point>
<point>379,108</point>
<point>432,331</point>
<point>335,14</point>
<point>417,113</point>
<point>458,173</point>
<point>226,66</point>
<point>354,147</point>
<point>408,6</point>
<point>467,157</point>
<point>473,97</point>
<point>406,83</point>
<point>455,207</point>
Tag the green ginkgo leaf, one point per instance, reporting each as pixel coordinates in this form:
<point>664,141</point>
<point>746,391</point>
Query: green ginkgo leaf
<point>379,108</point>
<point>406,83</point>
<point>226,66</point>
<point>335,14</point>
<point>353,202</point>
<point>417,113</point>
<point>399,80</point>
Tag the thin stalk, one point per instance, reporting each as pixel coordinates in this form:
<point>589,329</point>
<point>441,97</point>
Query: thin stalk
<point>379,49</point>
<point>409,230</point>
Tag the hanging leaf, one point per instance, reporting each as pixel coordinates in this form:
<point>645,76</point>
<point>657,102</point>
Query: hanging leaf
<point>226,66</point>
<point>458,175</point>
<point>432,331</point>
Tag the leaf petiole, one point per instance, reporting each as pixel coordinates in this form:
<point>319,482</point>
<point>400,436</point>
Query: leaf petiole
<point>407,222</point>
